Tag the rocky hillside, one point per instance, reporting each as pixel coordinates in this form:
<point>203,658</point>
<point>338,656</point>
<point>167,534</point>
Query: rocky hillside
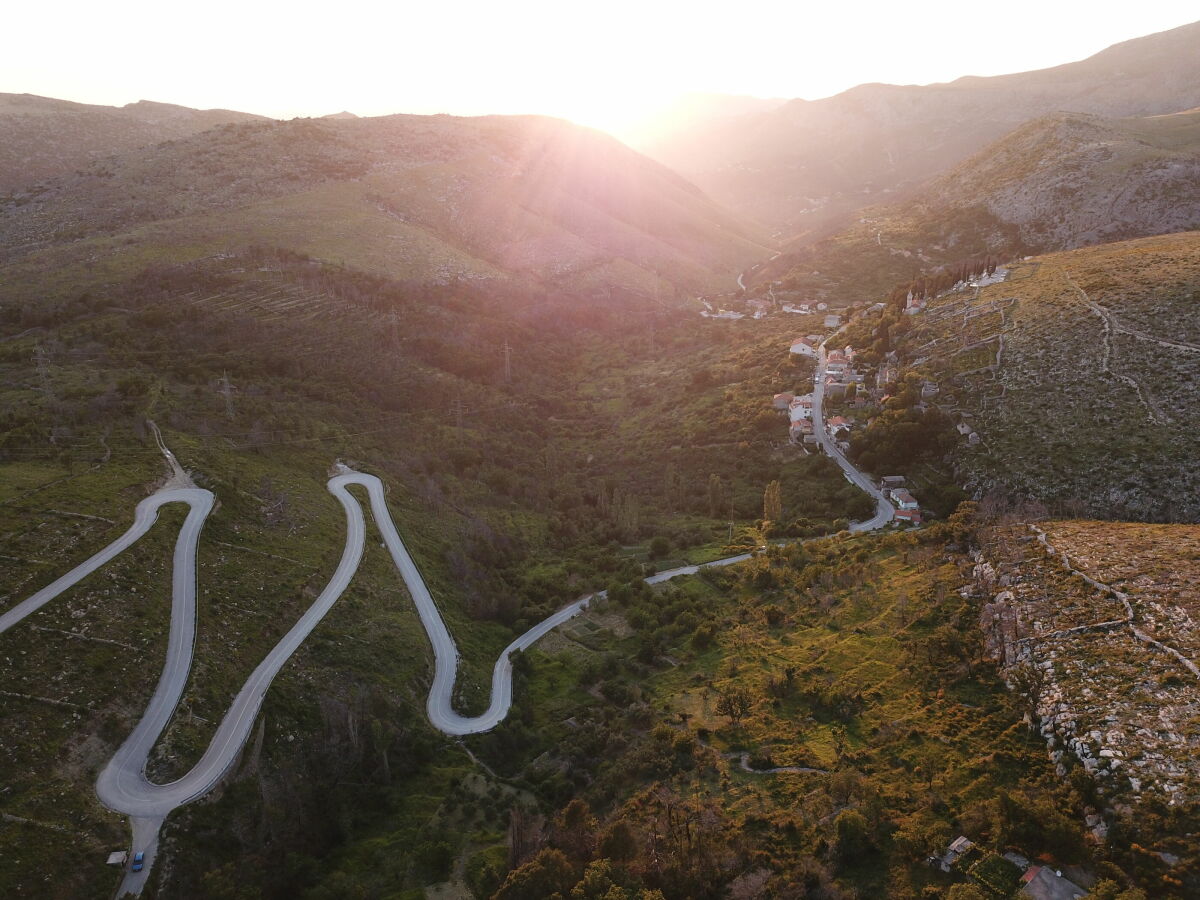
<point>426,198</point>
<point>808,163</point>
<point>1079,375</point>
<point>1093,623</point>
<point>44,137</point>
<point>1059,182</point>
<point>1069,180</point>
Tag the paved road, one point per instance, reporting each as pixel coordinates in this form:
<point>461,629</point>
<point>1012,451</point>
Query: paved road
<point>123,785</point>
<point>884,511</point>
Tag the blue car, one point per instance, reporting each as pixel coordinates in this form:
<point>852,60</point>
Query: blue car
<point>139,860</point>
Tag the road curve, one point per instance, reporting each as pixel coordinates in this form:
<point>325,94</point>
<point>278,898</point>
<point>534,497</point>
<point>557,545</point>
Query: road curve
<point>884,511</point>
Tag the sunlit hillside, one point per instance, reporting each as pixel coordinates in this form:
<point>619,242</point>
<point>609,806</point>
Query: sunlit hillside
<point>44,137</point>
<point>808,164</point>
<point>423,199</point>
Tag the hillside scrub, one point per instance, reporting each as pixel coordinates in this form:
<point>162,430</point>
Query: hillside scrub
<point>852,660</point>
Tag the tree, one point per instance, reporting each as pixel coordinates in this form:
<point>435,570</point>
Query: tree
<point>965,892</point>
<point>1107,889</point>
<point>598,884</point>
<point>575,829</point>
<point>852,836</point>
<point>734,703</point>
<point>773,503</point>
<point>659,547</point>
<point>619,842</point>
<point>547,873</point>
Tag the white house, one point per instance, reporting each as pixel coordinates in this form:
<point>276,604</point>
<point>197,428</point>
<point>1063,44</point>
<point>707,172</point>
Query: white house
<point>804,347</point>
<point>903,499</point>
<point>802,408</point>
<point>836,362</point>
<point>833,321</point>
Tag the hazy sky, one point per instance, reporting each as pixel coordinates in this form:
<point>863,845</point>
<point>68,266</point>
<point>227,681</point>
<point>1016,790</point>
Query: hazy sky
<point>606,64</point>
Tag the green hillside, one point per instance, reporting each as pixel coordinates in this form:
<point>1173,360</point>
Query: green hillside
<point>539,202</point>
<point>517,494</point>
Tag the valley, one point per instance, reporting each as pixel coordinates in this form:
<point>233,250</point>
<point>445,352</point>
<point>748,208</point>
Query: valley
<point>801,505</point>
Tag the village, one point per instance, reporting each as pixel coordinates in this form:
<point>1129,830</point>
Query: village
<point>841,383</point>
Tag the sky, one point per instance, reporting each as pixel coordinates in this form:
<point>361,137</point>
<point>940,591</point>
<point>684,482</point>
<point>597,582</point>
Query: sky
<point>611,64</point>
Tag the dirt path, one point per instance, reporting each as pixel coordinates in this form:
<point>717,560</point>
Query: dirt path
<point>1153,413</point>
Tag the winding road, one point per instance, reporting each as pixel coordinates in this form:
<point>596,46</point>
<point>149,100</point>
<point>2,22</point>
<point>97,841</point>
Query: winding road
<point>123,786</point>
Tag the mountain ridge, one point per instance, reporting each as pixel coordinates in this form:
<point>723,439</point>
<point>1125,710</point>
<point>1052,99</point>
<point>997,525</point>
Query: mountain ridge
<point>810,162</point>
<point>46,136</point>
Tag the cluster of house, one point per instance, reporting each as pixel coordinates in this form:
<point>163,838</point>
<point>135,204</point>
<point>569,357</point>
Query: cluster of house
<point>800,416</point>
<point>758,308</point>
<point>840,375</point>
<point>907,507</point>
<point>831,320</point>
<point>914,304</point>
<point>1037,882</point>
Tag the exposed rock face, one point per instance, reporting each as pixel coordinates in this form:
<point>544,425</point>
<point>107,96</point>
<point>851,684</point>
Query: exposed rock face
<point>1121,704</point>
<point>1071,180</point>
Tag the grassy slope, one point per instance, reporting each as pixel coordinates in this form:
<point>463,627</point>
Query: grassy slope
<point>1065,431</point>
<point>428,198</point>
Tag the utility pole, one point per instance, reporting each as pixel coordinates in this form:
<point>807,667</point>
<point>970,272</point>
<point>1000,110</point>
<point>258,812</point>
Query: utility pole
<point>507,360</point>
<point>227,389</point>
<point>730,511</point>
<point>41,359</point>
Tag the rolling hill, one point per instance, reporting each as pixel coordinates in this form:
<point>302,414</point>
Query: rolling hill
<point>420,198</point>
<point>807,164</point>
<point>1069,180</point>
<point>44,137</point>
